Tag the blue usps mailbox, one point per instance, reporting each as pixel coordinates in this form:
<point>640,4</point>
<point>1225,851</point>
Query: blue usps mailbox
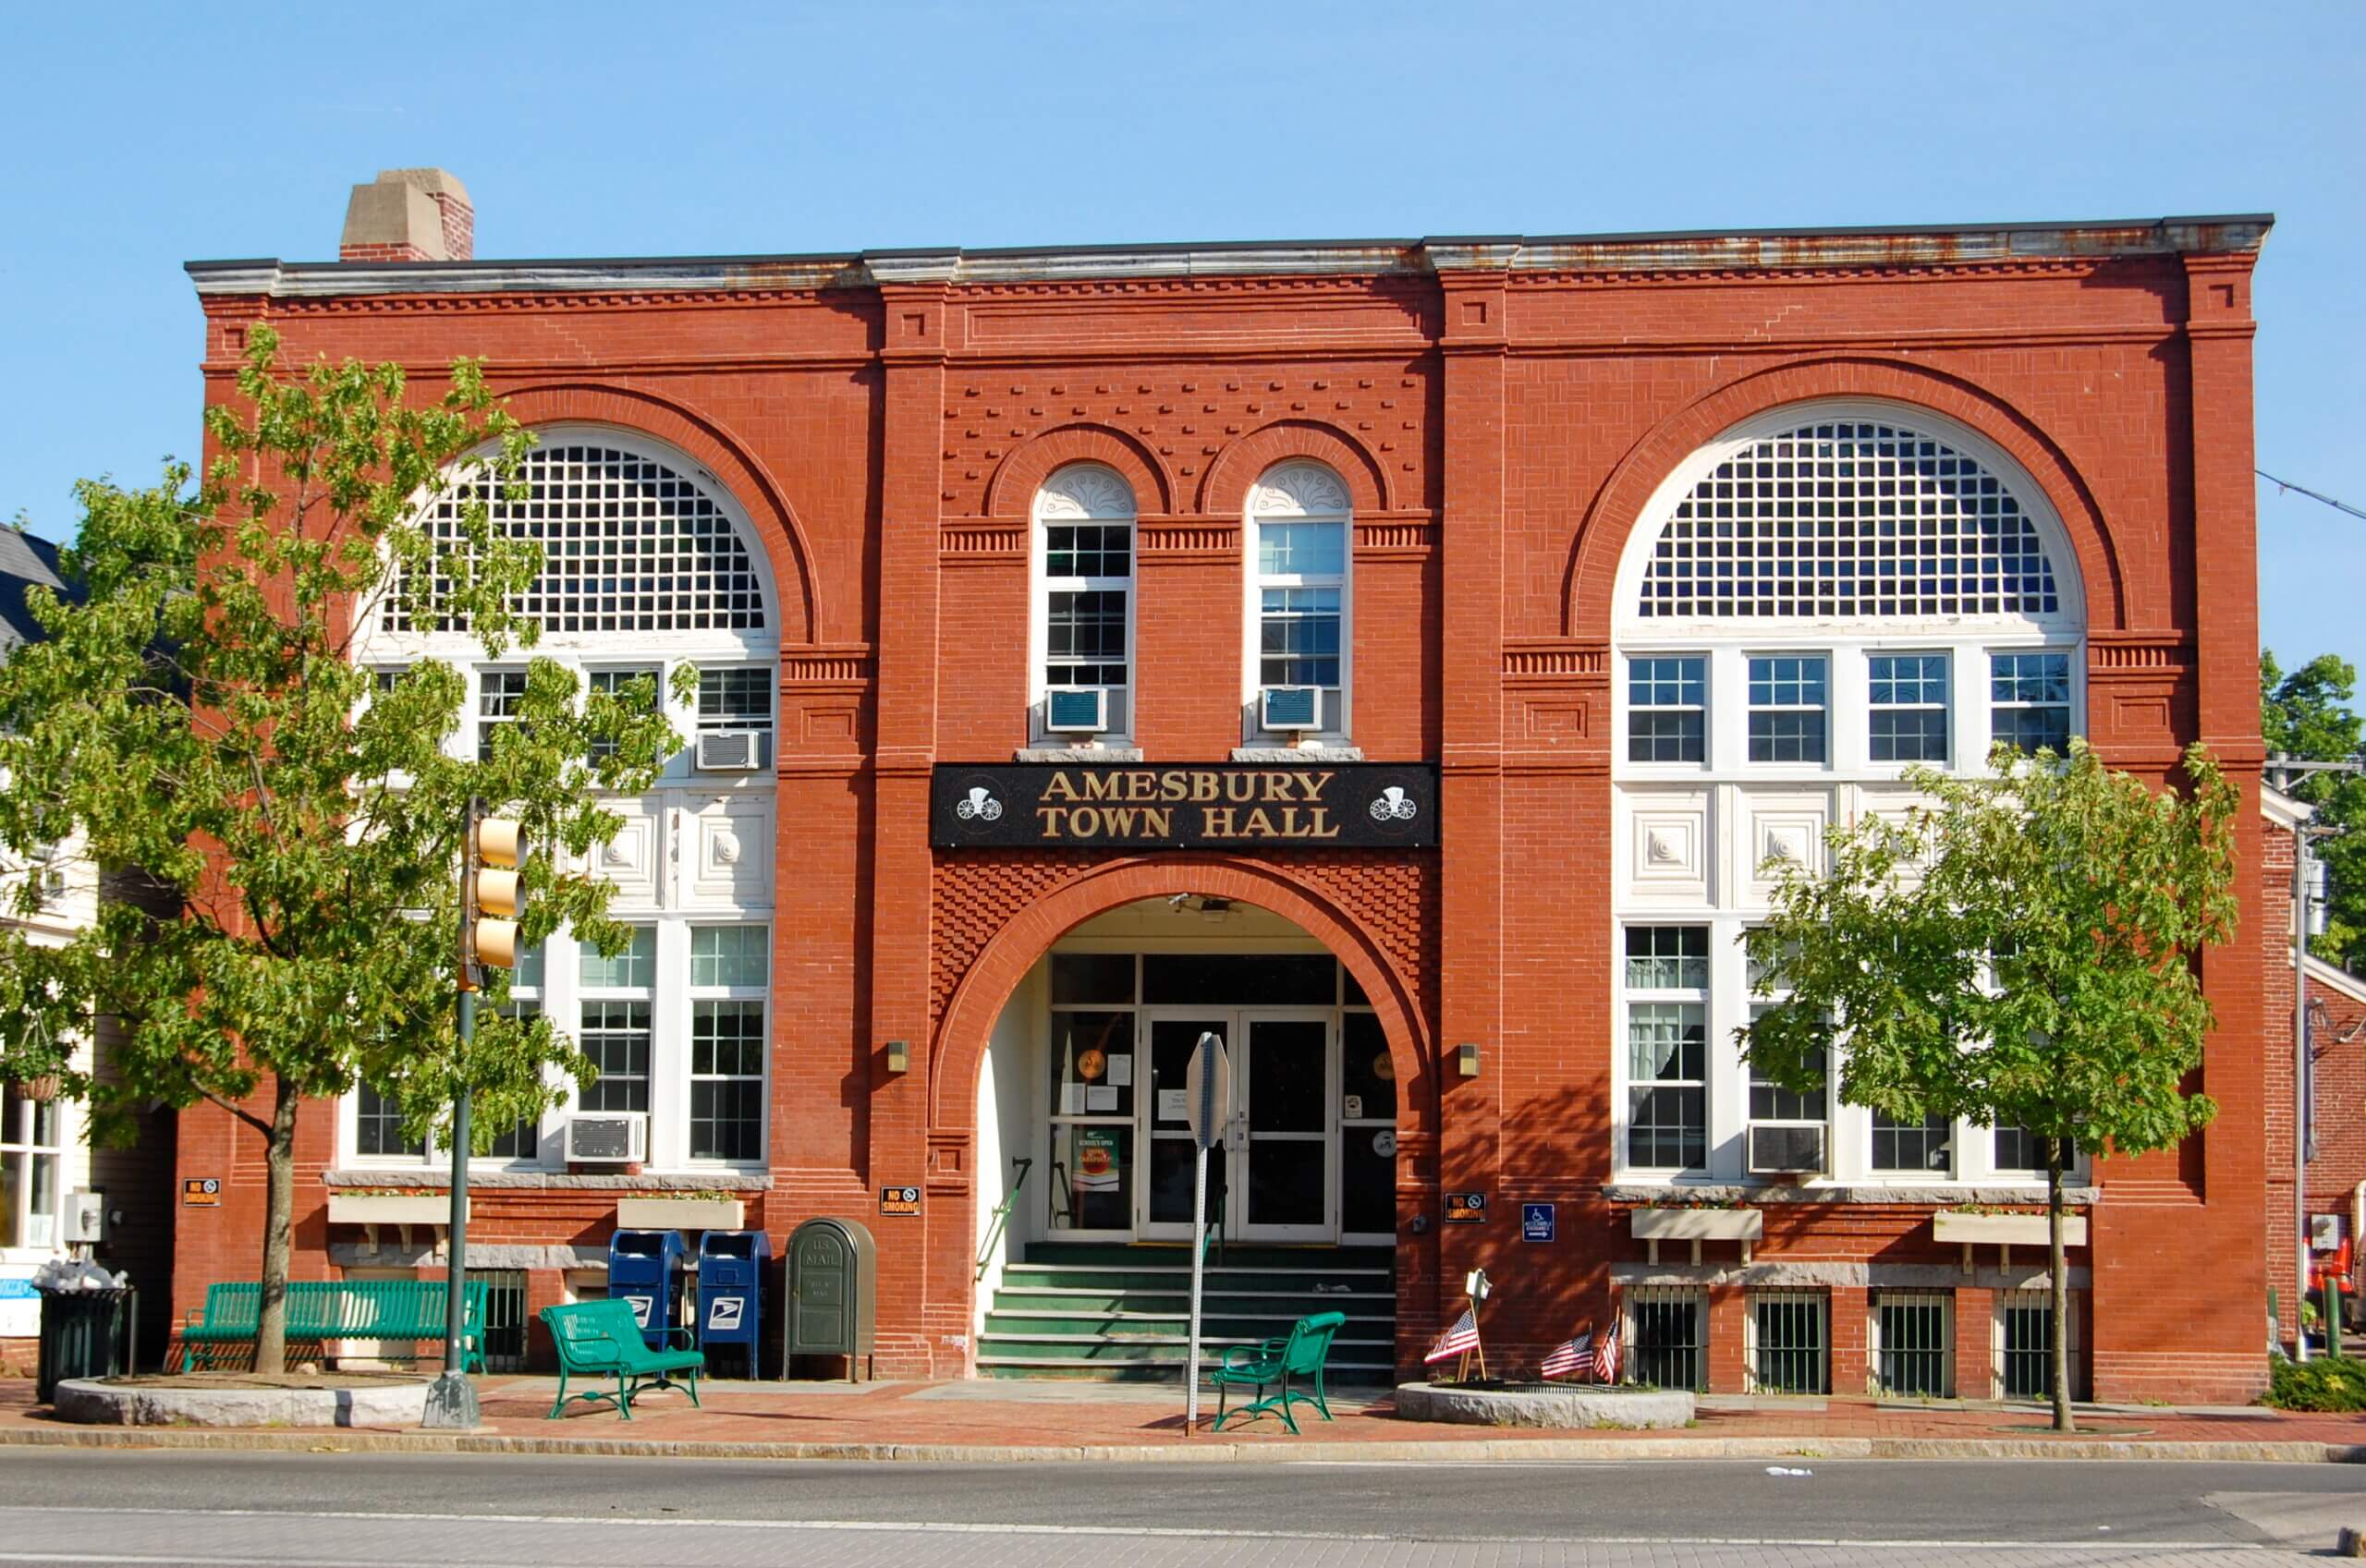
<point>732,1265</point>
<point>1536,1221</point>
<point>645,1272</point>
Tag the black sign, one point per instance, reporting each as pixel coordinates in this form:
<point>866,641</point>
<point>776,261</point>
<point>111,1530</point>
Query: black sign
<point>201,1192</point>
<point>899,1200</point>
<point>1466,1209</point>
<point>1187,806</point>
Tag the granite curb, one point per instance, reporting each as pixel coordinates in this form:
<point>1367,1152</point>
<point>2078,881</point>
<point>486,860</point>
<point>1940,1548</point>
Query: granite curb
<point>1215,1450</point>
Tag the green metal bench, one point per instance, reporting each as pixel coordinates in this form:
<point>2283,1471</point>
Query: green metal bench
<point>1301,1356</point>
<point>603,1339</point>
<point>320,1310</point>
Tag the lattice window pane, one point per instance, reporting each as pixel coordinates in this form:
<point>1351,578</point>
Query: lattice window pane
<point>736,698</point>
<point>378,1125</point>
<point>1786,708</point>
<point>1667,1109</point>
<point>1925,1145</point>
<point>1667,958</point>
<point>1667,709</point>
<point>498,694</point>
<point>616,1036</point>
<point>1088,550</point>
<point>1849,518</point>
<point>727,1080</point>
<point>2029,697</point>
<point>633,970</point>
<point>2017,1149</point>
<point>1084,638</point>
<point>628,545</point>
<point>730,955</point>
<point>1909,718</point>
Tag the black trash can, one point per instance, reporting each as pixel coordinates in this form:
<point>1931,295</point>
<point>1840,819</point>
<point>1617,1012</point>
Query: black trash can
<point>85,1333</point>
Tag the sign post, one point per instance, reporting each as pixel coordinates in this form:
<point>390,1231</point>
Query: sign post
<point>1207,1098</point>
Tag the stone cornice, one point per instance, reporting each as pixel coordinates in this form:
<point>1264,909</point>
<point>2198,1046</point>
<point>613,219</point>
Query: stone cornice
<point>1690,252</point>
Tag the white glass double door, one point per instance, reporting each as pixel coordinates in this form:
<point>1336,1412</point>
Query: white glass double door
<point>1276,1177</point>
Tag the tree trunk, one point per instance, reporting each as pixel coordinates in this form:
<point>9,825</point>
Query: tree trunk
<point>279,1204</point>
<point>2058,1285</point>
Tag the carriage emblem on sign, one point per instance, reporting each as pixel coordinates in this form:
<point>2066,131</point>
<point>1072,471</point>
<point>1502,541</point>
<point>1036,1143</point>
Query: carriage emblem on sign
<point>1390,805</point>
<point>979,805</point>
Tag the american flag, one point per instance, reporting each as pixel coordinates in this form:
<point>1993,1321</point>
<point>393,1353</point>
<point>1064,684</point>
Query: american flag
<point>1605,1356</point>
<point>1461,1336</point>
<point>1570,1355</point>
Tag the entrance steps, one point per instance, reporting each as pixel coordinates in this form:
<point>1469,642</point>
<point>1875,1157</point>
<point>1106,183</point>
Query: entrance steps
<point>1112,1312</point>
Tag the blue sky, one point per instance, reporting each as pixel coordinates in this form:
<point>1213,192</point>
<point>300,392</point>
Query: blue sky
<point>141,136</point>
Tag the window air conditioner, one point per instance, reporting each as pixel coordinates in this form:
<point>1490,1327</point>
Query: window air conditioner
<point>1777,1150</point>
<point>1077,710</point>
<point>1290,707</point>
<point>728,751</point>
<point>608,1137</point>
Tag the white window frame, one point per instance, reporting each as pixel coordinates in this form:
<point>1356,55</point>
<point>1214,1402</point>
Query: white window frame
<point>1091,490</point>
<point>1706,707</point>
<point>21,1147</point>
<point>695,993</point>
<point>1624,1080</point>
<point>1945,706</point>
<point>1299,491</point>
<point>1752,707</point>
<point>1944,1300</point>
<point>1723,803</point>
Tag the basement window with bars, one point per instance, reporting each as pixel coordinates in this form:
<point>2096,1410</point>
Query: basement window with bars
<point>1667,1336</point>
<point>1849,517</point>
<point>2024,1345</point>
<point>1914,1343</point>
<point>1789,1346</point>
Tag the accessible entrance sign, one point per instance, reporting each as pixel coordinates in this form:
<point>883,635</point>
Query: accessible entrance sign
<point>1185,806</point>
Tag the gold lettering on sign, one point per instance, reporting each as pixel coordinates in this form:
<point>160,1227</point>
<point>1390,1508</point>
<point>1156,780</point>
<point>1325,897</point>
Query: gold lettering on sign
<point>1101,786</point>
<point>1203,786</point>
<point>1059,788</point>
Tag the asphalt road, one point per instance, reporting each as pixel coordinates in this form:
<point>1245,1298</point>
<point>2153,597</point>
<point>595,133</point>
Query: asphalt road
<point>393,1511</point>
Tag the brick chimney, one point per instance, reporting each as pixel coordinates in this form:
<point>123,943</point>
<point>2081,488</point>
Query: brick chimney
<point>409,216</point>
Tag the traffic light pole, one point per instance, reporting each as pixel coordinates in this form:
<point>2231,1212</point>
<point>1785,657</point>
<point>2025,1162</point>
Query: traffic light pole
<point>452,1399</point>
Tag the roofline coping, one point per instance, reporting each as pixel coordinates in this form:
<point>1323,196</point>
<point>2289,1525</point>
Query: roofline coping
<point>1675,251</point>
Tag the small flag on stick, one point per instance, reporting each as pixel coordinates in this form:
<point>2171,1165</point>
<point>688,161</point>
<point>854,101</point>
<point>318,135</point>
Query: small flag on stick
<point>1460,1338</point>
<point>1571,1354</point>
<point>1605,1356</point>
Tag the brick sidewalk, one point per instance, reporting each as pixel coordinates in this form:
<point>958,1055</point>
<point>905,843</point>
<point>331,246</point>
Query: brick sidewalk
<point>906,1416</point>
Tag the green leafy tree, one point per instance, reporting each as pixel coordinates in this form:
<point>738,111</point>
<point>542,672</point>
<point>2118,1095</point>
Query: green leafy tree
<point>2018,952</point>
<point>199,715</point>
<point>2305,714</point>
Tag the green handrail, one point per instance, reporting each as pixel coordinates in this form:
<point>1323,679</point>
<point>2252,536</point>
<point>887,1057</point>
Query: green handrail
<point>1002,1217</point>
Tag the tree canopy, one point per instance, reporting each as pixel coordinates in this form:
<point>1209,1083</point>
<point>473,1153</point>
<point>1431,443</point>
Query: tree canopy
<point>2305,714</point>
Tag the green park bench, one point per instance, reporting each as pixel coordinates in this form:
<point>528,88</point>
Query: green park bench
<point>322,1310</point>
<point>603,1339</point>
<point>1301,1356</point>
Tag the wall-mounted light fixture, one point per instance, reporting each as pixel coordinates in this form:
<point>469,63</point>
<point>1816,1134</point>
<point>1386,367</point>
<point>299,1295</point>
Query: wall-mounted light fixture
<point>900,1056</point>
<point>1466,1059</point>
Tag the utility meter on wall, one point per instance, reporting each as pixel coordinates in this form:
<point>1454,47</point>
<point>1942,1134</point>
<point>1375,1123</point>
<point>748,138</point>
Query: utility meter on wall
<point>86,1216</point>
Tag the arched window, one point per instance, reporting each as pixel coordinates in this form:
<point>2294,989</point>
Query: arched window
<point>1815,602</point>
<point>1084,622</point>
<point>629,544</point>
<point>1300,541</point>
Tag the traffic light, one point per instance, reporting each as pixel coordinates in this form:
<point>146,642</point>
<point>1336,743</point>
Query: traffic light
<point>492,895</point>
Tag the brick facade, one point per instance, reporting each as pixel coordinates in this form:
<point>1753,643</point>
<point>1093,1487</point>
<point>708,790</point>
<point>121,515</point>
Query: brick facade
<point>1501,412</point>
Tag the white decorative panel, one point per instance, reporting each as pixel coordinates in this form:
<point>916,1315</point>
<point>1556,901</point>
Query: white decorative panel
<point>731,854</point>
<point>1669,854</point>
<point>1785,830</point>
<point>629,860</point>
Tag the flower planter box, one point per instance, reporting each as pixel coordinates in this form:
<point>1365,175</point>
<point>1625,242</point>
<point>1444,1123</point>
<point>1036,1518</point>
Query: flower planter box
<point>1696,1224</point>
<point>390,1209</point>
<point>680,1214</point>
<point>2005,1229</point>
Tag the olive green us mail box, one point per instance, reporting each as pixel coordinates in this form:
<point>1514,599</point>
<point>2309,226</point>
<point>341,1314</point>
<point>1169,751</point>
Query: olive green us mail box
<point>833,1295</point>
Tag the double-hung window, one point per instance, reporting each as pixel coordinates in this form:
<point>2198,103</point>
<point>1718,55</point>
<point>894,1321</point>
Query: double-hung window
<point>33,1147</point>
<point>1086,517</point>
<point>2028,696</point>
<point>1903,1147</point>
<point>1907,707</point>
<point>617,682</point>
<point>524,1140</point>
<point>618,995</point>
<point>1667,709</point>
<point>499,693</point>
<point>1789,708</point>
<point>729,968</point>
<point>1667,1033</point>
<point>1302,534</point>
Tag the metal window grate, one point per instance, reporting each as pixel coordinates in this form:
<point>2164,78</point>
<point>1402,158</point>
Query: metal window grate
<point>505,1319</point>
<point>2024,1343</point>
<point>628,545</point>
<point>1789,1342</point>
<point>1917,1351</point>
<point>1668,1336</point>
<point>1849,518</point>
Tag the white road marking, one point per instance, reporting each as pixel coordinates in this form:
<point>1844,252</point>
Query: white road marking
<point>948,1527</point>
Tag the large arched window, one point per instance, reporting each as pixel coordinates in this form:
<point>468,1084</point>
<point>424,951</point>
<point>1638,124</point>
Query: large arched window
<point>1302,539</point>
<point>648,564</point>
<point>1083,627</point>
<point>1819,600</point>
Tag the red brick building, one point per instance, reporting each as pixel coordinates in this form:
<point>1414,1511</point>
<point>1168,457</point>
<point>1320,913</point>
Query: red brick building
<point>1397,658</point>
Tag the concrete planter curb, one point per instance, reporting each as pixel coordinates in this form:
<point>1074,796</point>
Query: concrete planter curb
<point>1216,1451</point>
<point>1572,1406</point>
<point>109,1404</point>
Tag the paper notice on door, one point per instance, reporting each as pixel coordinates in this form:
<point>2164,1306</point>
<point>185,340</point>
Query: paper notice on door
<point>1174,1105</point>
<point>1100,1098</point>
<point>1121,1071</point>
<point>1071,1099</point>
